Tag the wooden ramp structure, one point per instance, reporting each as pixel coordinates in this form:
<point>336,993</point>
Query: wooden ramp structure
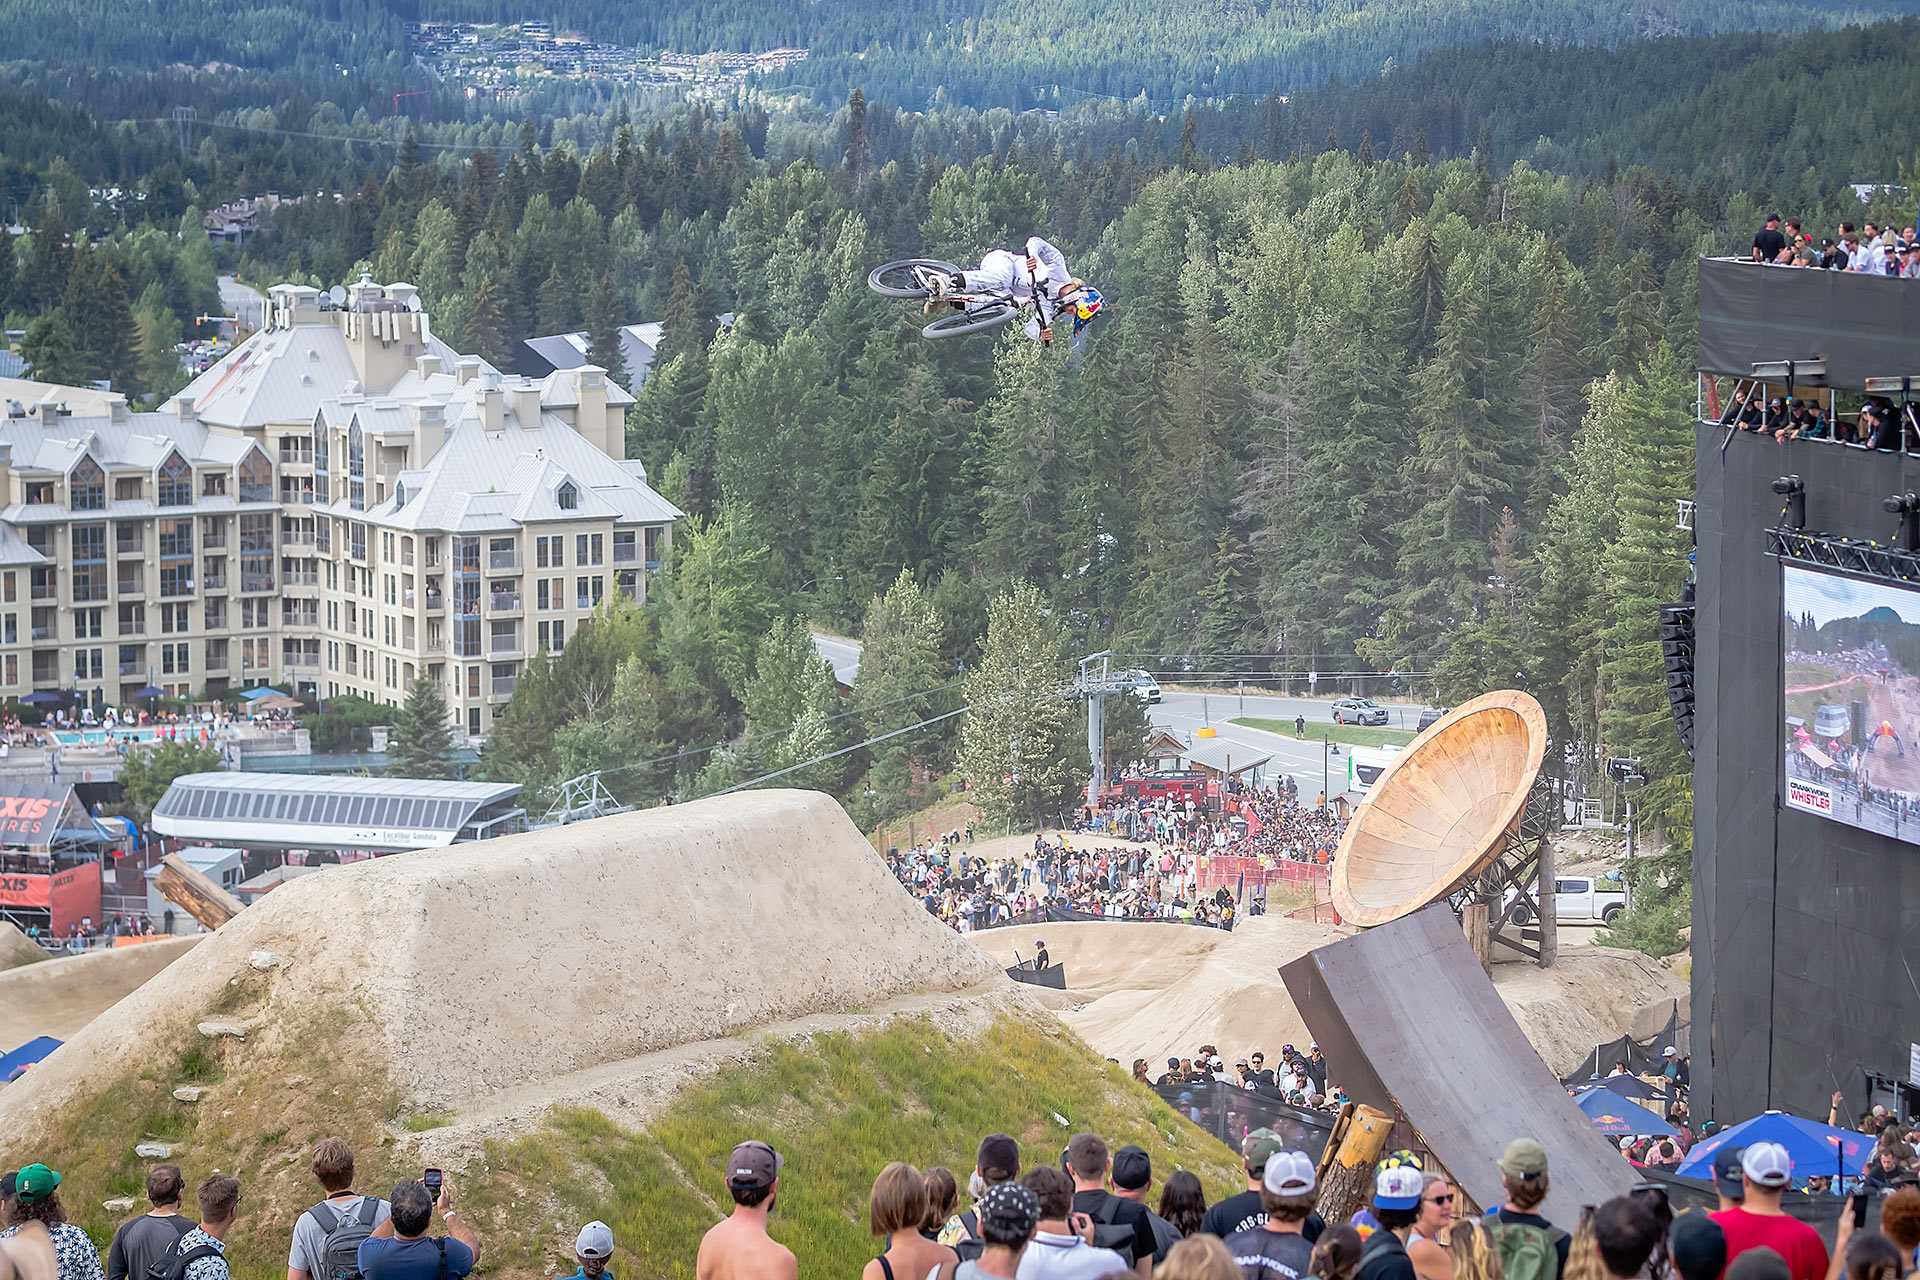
<point>1465,1077</point>
<point>201,898</point>
<point>1445,810</point>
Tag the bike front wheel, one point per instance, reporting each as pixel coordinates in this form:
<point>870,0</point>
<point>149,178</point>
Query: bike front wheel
<point>976,321</point>
<point>906,278</point>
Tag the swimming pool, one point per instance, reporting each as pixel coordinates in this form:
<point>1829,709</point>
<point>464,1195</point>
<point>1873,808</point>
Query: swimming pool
<point>137,733</point>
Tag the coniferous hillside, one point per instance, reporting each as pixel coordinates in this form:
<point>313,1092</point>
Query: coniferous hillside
<point>982,52</point>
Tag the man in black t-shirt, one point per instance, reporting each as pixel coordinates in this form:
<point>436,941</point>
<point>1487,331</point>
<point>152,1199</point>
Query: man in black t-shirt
<point>1278,1249</point>
<point>1088,1164</point>
<point>1768,242</point>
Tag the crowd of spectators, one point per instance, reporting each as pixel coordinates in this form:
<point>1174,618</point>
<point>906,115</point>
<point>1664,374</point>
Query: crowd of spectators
<point>1299,1079</point>
<point>969,891</point>
<point>1868,250</point>
<point>1878,425</point>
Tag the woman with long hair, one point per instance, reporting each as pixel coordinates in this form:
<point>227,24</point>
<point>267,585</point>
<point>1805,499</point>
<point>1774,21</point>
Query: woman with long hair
<point>1474,1252</point>
<point>1427,1246</point>
<point>1183,1202</point>
<point>1201,1257</point>
<point>943,1195</point>
<point>1583,1260</point>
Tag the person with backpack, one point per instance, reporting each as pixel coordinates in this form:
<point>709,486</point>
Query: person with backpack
<point>401,1249</point>
<point>1132,1180</point>
<point>1278,1249</point>
<point>143,1241</point>
<point>326,1238</point>
<point>998,1162</point>
<point>1059,1249</point>
<point>1531,1248</point>
<point>1120,1225</point>
<point>201,1254</point>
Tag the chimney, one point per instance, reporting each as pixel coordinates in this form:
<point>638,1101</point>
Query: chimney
<point>116,408</point>
<point>183,405</point>
<point>465,370</point>
<point>492,407</point>
<point>429,432</point>
<point>427,366</point>
<point>526,405</point>
<point>49,410</point>
<point>590,417</point>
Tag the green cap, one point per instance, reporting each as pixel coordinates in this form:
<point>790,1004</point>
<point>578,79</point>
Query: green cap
<point>1257,1146</point>
<point>35,1183</point>
<point>1524,1158</point>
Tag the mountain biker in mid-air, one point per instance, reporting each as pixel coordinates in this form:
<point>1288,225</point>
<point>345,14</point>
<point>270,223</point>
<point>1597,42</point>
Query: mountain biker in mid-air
<point>1041,275</point>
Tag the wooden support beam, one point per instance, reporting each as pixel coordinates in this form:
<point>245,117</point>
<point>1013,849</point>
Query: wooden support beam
<point>202,899</point>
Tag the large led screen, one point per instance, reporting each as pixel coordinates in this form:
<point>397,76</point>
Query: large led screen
<point>1852,676</point>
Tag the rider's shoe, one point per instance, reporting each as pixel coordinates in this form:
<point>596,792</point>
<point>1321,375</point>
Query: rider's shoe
<point>938,286</point>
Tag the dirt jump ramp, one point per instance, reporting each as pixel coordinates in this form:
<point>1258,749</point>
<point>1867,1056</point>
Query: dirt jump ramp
<point>1410,1022</point>
<point>58,997</point>
<point>460,972</point>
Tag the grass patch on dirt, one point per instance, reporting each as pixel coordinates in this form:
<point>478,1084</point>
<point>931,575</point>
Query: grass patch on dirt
<point>839,1107</point>
<point>1347,735</point>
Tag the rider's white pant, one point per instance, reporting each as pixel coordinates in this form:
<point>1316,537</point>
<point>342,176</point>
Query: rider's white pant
<point>1000,272</point>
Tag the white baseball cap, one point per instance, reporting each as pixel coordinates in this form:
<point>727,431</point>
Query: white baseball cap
<point>1397,1188</point>
<point>1669,1052</point>
<point>595,1242</point>
<point>1289,1173</point>
<point>1767,1164</point>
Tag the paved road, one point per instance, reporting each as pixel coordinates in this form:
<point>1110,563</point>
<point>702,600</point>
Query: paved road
<point>842,654</point>
<point>243,301</point>
<point>1308,762</point>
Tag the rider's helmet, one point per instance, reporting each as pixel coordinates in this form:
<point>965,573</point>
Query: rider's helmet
<point>1086,307</point>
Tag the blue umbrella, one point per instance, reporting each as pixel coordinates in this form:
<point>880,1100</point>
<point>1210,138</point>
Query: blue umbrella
<point>151,691</point>
<point>12,1064</point>
<point>1816,1149</point>
<point>1612,1113</point>
<point>41,696</point>
<point>1625,1086</point>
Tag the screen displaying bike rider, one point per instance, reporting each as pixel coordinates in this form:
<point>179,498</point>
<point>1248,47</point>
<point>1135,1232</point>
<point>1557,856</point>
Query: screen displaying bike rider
<point>1041,275</point>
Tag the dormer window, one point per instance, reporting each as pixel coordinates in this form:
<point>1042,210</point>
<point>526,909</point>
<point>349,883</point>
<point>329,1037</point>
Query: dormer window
<point>399,494</point>
<point>175,486</point>
<point>567,496</point>
<point>86,486</point>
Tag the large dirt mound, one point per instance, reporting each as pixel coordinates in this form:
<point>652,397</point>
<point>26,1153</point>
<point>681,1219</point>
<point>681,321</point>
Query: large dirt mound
<point>1158,990</point>
<point>60,996</point>
<point>458,972</point>
<point>16,948</point>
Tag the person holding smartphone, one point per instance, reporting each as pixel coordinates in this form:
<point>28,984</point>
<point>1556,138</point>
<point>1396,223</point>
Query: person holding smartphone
<point>401,1248</point>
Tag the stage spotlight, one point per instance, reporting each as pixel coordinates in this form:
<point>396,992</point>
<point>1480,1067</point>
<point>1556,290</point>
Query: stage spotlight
<point>1794,490</point>
<point>1907,507</point>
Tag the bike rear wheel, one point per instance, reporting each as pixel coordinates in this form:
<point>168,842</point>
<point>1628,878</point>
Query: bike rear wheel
<point>902,279</point>
<point>979,320</point>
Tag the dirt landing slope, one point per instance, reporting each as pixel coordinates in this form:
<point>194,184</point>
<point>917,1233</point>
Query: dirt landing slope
<point>58,997</point>
<point>482,967</point>
<point>16,948</point>
<point>1155,990</point>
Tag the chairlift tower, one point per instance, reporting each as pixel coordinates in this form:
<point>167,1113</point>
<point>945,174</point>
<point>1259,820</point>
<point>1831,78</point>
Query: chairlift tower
<point>1096,687</point>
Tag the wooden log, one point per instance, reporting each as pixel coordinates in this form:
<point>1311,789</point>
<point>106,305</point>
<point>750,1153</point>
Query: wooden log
<point>204,900</point>
<point>1346,1167</point>
<point>1474,922</point>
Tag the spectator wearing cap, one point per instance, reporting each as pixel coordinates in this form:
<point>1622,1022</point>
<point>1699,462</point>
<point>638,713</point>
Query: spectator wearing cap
<point>1089,1164</point>
<point>1057,1251</point>
<point>1009,1215</point>
<point>895,1210</point>
<point>592,1248</point>
<point>1172,1074</point>
<point>403,1248</point>
<point>738,1245</point>
<point>1625,1233</point>
<point>1697,1247</point>
<point>1396,1207</point>
<point>1132,1179</point>
<point>1766,1170</point>
<point>36,1199</point>
<point>1768,241</point>
<point>1317,1068</point>
<point>1278,1248</point>
<point>998,1162</point>
<point>1727,1183</point>
<point>1523,1178</point>
<point>1243,1212</point>
<point>143,1241</point>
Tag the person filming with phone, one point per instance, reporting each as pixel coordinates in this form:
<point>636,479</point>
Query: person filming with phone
<point>402,1249</point>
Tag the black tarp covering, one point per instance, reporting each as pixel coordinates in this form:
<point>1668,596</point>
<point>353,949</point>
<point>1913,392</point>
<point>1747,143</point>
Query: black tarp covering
<point>1229,1113</point>
<point>1865,326</point>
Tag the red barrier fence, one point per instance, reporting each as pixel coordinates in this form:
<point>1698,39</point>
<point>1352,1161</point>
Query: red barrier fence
<point>1230,872</point>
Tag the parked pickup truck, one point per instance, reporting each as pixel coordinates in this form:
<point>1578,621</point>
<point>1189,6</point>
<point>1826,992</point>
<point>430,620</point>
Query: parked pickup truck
<point>1582,900</point>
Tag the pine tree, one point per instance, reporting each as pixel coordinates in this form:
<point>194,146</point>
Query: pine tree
<point>603,330</point>
<point>50,352</point>
<point>484,330</point>
<point>420,745</point>
<point>900,665</point>
<point>161,372</point>
<point>556,310</point>
<point>115,340</point>
<point>1018,739</point>
<point>854,153</point>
